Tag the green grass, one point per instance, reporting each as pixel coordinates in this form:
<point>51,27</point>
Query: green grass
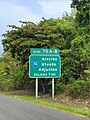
<point>68,107</point>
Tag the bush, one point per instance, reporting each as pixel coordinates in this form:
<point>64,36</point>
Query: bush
<point>79,89</point>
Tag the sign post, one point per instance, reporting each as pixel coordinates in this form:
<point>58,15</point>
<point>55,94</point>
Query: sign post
<point>52,88</point>
<point>44,63</point>
<point>36,87</point>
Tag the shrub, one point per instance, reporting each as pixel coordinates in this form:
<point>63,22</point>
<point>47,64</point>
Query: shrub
<point>79,89</point>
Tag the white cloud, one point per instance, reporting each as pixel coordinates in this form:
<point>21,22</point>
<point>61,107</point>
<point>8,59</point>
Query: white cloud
<point>55,7</point>
<point>11,13</point>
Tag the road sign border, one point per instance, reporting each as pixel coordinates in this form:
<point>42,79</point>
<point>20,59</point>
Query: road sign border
<point>44,53</point>
<point>44,77</point>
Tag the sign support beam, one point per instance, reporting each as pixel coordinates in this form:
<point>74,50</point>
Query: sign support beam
<point>36,87</point>
<point>52,88</point>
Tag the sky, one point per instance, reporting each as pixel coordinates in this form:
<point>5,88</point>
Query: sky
<point>13,11</point>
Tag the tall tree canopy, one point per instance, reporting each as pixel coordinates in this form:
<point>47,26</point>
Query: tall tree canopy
<point>83,11</point>
<point>70,35</point>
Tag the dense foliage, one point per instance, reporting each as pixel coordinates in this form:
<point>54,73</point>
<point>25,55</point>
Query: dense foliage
<point>70,35</point>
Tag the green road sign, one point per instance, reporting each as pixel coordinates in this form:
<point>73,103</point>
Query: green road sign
<point>44,66</point>
<point>44,51</point>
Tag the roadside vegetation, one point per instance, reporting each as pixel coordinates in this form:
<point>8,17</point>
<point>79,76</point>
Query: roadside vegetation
<point>71,35</point>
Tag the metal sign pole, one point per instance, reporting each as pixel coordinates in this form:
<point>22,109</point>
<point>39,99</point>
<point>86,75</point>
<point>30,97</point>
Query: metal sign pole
<point>36,87</point>
<point>52,88</point>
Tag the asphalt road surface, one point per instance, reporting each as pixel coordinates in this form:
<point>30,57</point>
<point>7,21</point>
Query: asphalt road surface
<point>12,109</point>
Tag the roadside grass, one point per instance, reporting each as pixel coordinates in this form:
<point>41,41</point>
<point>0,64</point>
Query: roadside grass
<point>68,107</point>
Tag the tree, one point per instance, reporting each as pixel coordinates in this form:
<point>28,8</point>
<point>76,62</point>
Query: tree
<point>70,35</point>
<point>11,73</point>
<point>81,44</point>
<point>52,33</point>
<point>82,14</point>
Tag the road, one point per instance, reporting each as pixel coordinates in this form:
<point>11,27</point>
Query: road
<point>12,109</point>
